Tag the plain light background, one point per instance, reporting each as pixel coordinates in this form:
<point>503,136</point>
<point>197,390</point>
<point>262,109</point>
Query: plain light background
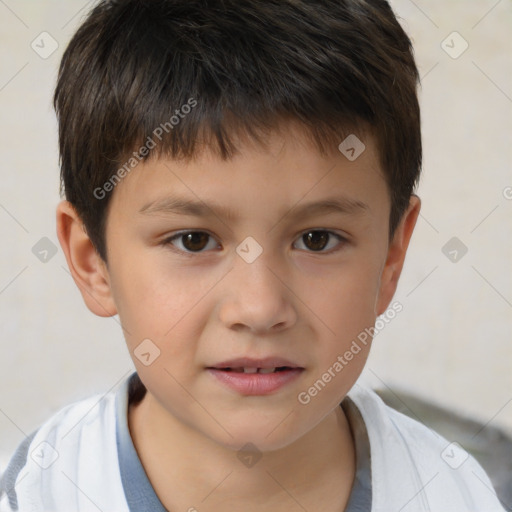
<point>451,344</point>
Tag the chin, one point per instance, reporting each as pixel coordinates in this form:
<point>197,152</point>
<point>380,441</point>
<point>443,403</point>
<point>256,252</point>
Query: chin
<point>245,437</point>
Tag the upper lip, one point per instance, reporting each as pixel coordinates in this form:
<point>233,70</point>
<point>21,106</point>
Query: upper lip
<point>249,362</point>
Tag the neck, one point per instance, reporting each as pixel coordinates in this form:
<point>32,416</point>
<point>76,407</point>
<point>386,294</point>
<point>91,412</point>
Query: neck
<point>188,469</point>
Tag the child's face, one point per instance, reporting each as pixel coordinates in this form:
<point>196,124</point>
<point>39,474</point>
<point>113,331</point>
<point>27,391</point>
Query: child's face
<point>203,301</point>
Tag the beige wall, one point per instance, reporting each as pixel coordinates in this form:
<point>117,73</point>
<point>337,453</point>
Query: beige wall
<point>452,343</point>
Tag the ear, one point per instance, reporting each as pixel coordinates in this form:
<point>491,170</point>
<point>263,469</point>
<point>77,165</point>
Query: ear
<point>87,268</point>
<point>396,255</point>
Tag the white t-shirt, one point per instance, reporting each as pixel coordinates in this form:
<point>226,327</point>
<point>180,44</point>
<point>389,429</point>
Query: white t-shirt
<point>83,460</point>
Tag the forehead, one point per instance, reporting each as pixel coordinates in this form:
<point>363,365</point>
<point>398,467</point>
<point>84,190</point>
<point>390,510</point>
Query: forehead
<point>287,171</point>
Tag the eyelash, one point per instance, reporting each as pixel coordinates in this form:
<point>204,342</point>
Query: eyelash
<point>168,241</point>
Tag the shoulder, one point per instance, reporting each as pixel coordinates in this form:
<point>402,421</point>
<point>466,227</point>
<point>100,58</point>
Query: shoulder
<point>414,465</point>
<point>63,454</point>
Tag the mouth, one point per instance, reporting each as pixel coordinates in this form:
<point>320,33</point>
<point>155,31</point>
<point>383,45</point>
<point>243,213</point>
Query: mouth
<point>240,364</point>
<point>254,377</point>
<point>256,369</point>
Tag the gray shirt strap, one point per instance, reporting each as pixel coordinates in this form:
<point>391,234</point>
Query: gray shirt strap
<point>16,464</point>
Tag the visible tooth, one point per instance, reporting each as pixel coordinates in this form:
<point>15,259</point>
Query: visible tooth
<point>267,370</point>
<point>250,370</point>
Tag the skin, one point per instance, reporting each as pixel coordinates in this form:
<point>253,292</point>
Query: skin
<point>303,302</point>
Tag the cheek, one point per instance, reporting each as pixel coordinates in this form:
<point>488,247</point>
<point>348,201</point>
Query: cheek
<point>164,305</point>
<point>347,308</point>
<point>345,304</point>
<point>345,300</point>
<point>149,301</point>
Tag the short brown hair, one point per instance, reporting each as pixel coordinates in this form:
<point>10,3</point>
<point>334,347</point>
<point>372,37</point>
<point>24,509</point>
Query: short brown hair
<point>133,66</point>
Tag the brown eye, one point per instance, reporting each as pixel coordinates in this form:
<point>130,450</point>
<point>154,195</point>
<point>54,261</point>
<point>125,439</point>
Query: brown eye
<point>190,241</point>
<point>318,240</point>
<point>195,241</point>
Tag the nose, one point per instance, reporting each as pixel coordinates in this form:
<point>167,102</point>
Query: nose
<point>257,297</point>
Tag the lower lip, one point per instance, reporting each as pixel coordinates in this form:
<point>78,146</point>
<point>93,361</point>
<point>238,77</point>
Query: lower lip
<point>256,383</point>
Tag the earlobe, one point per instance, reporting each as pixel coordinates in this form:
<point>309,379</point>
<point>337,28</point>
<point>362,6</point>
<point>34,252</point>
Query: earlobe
<point>87,268</point>
<point>396,255</point>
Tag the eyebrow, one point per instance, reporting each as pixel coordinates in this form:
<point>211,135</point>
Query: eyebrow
<point>182,206</point>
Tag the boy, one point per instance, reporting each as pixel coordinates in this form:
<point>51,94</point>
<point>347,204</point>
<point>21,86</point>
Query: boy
<point>239,179</point>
